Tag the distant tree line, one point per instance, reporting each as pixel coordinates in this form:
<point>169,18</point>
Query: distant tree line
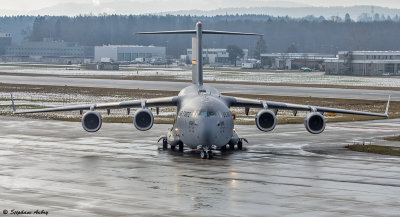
<point>281,34</point>
<point>19,26</point>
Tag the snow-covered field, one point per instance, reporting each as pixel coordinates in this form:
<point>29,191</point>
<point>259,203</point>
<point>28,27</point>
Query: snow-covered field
<point>225,74</point>
<point>30,100</point>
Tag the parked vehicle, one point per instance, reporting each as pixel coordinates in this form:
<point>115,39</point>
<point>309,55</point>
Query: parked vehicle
<point>305,69</point>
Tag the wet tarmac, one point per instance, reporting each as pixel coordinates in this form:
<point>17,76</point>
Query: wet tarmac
<point>119,171</point>
<point>223,88</point>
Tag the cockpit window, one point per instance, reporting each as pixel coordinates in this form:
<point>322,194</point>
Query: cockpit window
<point>207,113</point>
<point>203,113</point>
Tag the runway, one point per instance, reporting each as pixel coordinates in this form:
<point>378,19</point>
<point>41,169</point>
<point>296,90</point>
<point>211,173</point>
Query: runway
<point>223,88</point>
<point>119,171</point>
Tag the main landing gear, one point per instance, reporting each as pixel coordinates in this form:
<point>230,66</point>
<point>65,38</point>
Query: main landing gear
<point>239,145</point>
<point>223,148</point>
<point>180,146</point>
<point>165,144</point>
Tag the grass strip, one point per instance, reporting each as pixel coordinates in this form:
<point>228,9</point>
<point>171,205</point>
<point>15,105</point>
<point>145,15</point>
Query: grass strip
<point>376,149</point>
<point>394,139</point>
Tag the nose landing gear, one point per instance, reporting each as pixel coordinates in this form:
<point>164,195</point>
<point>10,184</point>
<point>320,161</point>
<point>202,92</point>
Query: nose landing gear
<point>206,153</point>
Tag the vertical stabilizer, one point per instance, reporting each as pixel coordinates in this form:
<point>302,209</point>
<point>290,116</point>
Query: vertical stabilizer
<point>195,79</point>
<point>197,75</point>
<point>197,51</point>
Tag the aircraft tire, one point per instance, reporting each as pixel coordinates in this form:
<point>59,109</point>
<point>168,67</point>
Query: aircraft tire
<point>203,155</point>
<point>240,145</point>
<point>180,145</point>
<point>223,148</point>
<point>231,146</point>
<point>172,147</point>
<point>165,144</point>
<point>209,154</point>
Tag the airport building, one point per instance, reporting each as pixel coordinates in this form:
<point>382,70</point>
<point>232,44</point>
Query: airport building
<point>5,41</point>
<point>217,56</point>
<point>294,60</point>
<point>364,63</point>
<point>49,48</point>
<point>128,53</point>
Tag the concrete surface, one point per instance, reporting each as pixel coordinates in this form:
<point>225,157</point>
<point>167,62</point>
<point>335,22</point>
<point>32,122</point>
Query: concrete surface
<point>57,167</point>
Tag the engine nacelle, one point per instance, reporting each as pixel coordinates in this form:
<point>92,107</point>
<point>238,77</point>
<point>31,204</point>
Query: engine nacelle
<point>143,119</point>
<point>315,123</point>
<point>91,121</point>
<point>265,120</point>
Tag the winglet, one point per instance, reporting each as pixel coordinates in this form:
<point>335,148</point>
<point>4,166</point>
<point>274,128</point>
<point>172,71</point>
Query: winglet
<point>387,107</point>
<point>13,105</point>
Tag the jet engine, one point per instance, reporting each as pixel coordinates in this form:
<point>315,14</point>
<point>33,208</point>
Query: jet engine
<point>143,119</point>
<point>265,120</point>
<point>92,121</point>
<point>315,123</point>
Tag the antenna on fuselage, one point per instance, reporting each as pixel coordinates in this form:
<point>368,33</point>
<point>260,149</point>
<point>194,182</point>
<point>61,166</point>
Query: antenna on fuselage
<point>197,49</point>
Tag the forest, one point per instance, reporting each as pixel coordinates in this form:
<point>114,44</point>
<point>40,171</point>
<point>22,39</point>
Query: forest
<point>313,34</point>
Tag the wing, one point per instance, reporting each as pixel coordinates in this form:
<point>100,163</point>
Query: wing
<point>251,103</point>
<point>154,102</point>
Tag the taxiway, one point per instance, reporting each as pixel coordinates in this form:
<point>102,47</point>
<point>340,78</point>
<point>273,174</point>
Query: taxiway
<point>119,171</point>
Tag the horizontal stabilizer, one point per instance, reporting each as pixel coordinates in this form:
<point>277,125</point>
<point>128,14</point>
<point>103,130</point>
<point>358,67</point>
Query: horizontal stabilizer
<point>213,32</point>
<point>169,32</point>
<point>197,49</point>
<point>229,33</point>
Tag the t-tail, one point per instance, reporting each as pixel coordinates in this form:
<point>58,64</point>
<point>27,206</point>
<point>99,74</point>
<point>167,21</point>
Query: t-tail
<point>197,49</point>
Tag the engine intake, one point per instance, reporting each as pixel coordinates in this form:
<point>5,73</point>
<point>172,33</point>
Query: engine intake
<point>265,120</point>
<point>315,123</point>
<point>143,119</point>
<point>92,121</point>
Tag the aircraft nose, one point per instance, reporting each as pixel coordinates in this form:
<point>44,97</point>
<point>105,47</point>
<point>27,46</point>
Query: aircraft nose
<point>209,132</point>
<point>206,136</point>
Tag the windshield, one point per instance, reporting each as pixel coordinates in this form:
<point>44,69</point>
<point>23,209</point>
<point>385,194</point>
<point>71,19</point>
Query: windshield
<point>206,113</point>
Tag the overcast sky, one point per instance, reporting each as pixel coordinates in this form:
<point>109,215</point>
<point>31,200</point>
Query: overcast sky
<point>30,5</point>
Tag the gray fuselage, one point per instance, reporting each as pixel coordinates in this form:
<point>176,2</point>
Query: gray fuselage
<point>203,119</point>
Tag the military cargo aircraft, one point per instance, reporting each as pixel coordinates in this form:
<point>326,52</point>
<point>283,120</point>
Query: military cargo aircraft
<point>204,120</point>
